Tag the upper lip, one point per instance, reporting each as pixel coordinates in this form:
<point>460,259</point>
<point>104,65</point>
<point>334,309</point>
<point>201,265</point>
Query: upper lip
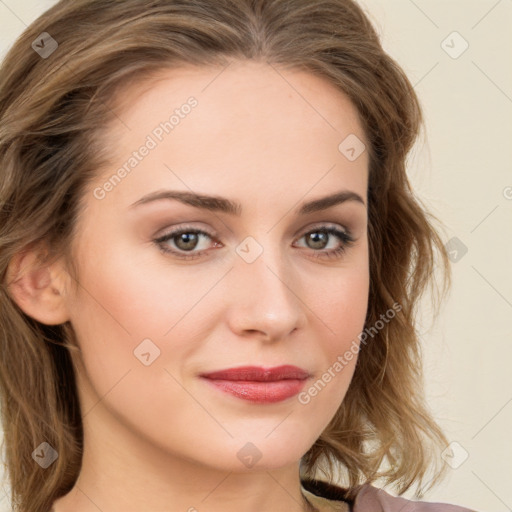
<point>258,374</point>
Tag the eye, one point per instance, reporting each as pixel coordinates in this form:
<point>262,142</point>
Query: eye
<point>185,240</point>
<point>318,238</point>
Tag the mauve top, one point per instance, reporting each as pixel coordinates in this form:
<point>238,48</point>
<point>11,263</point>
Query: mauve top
<point>330,498</point>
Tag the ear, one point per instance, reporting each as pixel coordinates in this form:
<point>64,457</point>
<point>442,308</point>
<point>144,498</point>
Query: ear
<point>38,289</point>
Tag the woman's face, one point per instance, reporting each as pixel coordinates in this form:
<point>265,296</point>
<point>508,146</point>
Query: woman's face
<point>249,270</point>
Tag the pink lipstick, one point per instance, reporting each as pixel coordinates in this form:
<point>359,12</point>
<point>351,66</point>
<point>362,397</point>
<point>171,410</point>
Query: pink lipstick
<point>261,385</point>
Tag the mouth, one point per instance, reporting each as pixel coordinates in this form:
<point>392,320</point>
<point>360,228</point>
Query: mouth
<point>257,384</point>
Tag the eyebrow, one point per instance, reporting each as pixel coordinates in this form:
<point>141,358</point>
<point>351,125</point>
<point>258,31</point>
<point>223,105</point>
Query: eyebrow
<point>222,204</point>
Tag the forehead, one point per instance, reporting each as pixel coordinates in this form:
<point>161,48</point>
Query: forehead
<point>253,126</point>
<point>246,87</point>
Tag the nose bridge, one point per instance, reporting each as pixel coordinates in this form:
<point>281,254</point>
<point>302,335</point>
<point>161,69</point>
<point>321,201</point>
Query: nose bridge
<point>265,299</point>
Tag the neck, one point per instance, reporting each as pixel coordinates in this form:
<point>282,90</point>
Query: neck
<point>123,472</point>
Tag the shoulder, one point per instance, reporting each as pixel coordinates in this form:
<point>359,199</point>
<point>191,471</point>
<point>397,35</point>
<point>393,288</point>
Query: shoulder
<point>374,499</point>
<point>367,498</point>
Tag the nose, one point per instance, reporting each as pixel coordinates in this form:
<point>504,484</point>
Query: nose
<point>265,299</point>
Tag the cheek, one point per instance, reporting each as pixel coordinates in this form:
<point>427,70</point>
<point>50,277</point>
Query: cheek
<point>132,292</point>
<point>344,315</point>
<point>343,303</point>
<point>120,305</point>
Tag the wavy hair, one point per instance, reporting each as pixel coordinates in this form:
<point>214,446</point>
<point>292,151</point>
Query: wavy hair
<point>52,114</point>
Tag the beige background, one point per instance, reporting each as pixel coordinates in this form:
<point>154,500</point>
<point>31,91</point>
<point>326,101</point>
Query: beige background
<point>464,174</point>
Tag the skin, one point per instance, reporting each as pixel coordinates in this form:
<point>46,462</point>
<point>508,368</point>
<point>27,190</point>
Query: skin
<point>158,437</point>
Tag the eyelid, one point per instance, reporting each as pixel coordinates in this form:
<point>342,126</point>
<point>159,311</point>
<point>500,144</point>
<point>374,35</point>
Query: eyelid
<point>324,225</point>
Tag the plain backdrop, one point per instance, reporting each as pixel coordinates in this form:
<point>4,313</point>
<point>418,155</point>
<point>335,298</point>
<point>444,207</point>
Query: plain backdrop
<point>457,53</point>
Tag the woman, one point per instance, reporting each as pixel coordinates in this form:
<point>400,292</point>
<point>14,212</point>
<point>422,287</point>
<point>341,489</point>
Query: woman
<point>211,259</point>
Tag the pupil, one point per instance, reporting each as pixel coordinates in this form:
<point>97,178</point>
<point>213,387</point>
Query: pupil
<point>189,239</point>
<point>318,239</point>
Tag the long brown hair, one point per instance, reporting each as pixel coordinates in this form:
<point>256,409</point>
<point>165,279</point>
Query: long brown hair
<point>52,110</point>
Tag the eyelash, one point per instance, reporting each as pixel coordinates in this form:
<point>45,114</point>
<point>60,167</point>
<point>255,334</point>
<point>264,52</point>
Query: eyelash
<point>346,241</point>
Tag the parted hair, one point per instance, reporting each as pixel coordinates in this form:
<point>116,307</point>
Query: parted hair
<point>52,114</point>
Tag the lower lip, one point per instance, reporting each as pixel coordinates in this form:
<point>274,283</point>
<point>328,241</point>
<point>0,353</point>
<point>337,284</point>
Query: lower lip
<point>260,392</point>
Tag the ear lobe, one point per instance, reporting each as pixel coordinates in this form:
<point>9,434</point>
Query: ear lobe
<point>35,289</point>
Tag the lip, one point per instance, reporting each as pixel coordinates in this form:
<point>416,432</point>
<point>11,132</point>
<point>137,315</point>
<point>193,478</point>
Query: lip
<point>258,373</point>
<point>258,384</point>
